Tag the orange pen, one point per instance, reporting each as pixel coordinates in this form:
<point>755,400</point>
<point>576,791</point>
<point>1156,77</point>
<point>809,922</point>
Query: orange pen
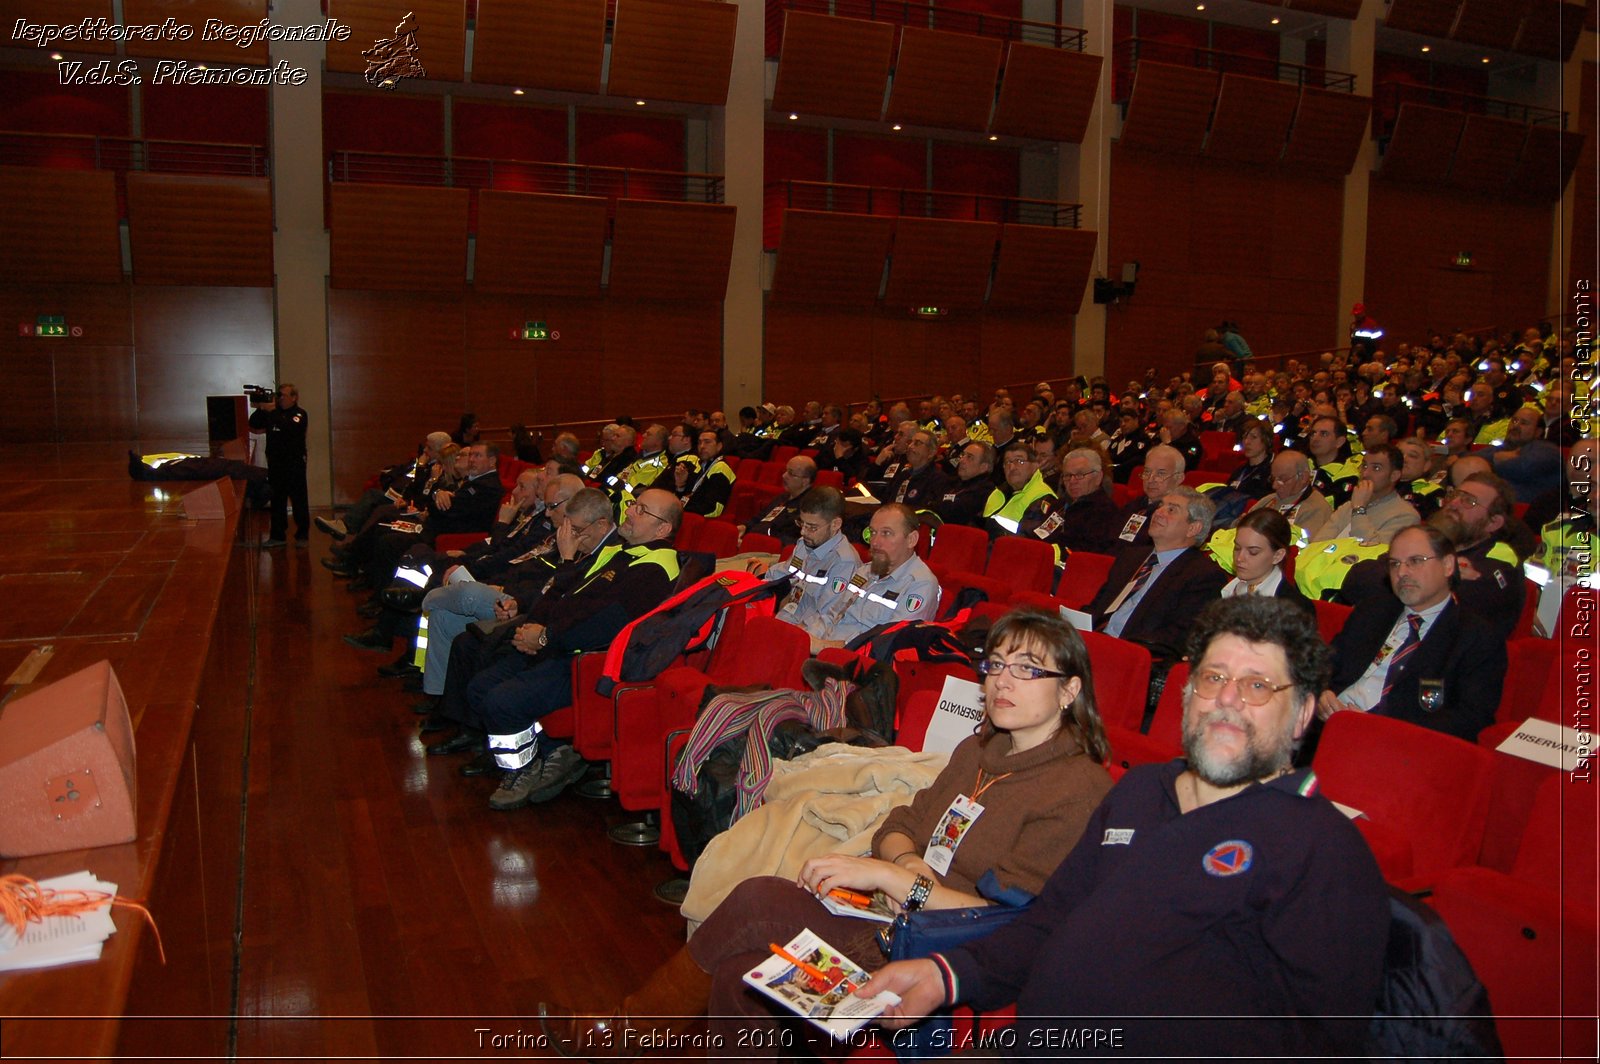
<point>810,969</point>
<point>851,897</point>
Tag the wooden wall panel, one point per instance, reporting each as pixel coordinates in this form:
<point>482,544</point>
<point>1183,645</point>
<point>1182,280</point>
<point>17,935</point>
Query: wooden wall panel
<point>189,230</point>
<point>940,263</point>
<point>1023,346</point>
<point>1219,241</point>
<point>569,372</point>
<point>398,237</point>
<point>1432,18</point>
<point>1169,108</point>
<point>568,37</point>
<point>1546,163</point>
<point>1413,236</point>
<point>1327,133</point>
<point>1485,145</point>
<point>1337,8</point>
<point>1046,93</point>
<point>96,395</point>
<point>501,383</point>
<point>395,373</point>
<point>665,251</point>
<point>944,79</point>
<point>533,243</point>
<point>28,401</point>
<point>195,342</point>
<point>1585,203</point>
<point>195,13</point>
<point>63,12</point>
<point>814,351</point>
<point>833,66</point>
<point>1252,120</point>
<point>672,50</point>
<point>441,34</point>
<point>1042,270</point>
<point>1423,144</point>
<point>1491,22</point>
<point>1551,30</point>
<point>914,355</point>
<point>59,225</point>
<point>660,357</point>
<point>831,258</point>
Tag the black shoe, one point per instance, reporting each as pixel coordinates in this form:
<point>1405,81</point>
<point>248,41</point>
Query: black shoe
<point>482,765</point>
<point>425,706</point>
<point>369,609</point>
<point>434,722</point>
<point>371,639</point>
<point>406,598</point>
<point>400,666</point>
<point>459,743</point>
<point>337,566</point>
<point>359,583</point>
<point>412,682</point>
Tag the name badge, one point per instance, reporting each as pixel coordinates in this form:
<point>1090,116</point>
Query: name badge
<point>1050,524</point>
<point>1130,531</point>
<point>949,832</point>
<point>772,514</point>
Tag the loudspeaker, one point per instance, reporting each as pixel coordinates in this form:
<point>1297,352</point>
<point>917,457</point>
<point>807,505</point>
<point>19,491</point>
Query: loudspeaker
<point>67,766</point>
<point>211,502</point>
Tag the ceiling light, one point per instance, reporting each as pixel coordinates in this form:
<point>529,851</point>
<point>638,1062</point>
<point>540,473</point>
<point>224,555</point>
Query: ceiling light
<point>1427,48</point>
<point>516,92</point>
<point>56,56</point>
<point>793,117</point>
<point>993,137</point>
<point>1485,59</point>
<point>1199,7</point>
<point>200,66</point>
<point>1276,21</point>
<point>638,103</point>
<point>897,127</point>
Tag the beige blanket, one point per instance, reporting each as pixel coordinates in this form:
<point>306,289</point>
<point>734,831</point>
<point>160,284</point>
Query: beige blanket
<point>828,801</point>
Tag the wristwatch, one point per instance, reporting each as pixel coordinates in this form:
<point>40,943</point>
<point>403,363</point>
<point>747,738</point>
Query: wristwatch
<point>917,896</point>
<point>1359,510</point>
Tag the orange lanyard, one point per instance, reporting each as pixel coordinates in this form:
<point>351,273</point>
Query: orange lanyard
<point>981,786</point>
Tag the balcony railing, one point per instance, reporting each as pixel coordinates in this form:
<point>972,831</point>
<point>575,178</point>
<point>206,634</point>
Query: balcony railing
<point>921,203</point>
<point>564,179</point>
<point>1134,49</point>
<point>83,152</point>
<point>1387,97</point>
<point>954,19</point>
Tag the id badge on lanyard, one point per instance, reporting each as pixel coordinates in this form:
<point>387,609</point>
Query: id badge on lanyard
<point>951,829</point>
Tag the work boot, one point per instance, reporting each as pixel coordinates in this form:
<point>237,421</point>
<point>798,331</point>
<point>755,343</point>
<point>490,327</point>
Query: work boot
<point>672,1001</point>
<point>335,529</point>
<point>372,639</point>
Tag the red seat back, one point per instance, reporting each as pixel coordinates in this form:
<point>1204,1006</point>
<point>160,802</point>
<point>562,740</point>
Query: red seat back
<point>782,454</point>
<point>1330,618</point>
<point>1024,563</point>
<point>1081,579</point>
<point>688,530</point>
<point>830,478</point>
<point>1121,678</point>
<point>760,542</point>
<point>958,547</point>
<point>719,538</point>
<point>1425,795</point>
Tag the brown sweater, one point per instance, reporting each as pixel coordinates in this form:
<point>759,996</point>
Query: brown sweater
<point>1029,821</point>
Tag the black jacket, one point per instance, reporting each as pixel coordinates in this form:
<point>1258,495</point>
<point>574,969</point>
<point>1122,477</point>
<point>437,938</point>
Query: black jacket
<point>1161,621</point>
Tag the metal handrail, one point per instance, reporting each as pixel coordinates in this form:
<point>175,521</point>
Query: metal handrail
<point>926,203</point>
<point>1387,96</point>
<point>954,19</point>
<point>1130,51</point>
<point>568,179</point>
<point>93,152</point>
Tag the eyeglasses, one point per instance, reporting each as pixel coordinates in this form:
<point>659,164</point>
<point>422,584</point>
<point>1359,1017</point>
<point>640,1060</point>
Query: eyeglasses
<point>1413,562</point>
<point>1019,460</point>
<point>578,530</point>
<point>1017,669</point>
<point>1157,474</point>
<point>1253,690</point>
<point>1079,476</point>
<point>1464,497</point>
<point>635,504</point>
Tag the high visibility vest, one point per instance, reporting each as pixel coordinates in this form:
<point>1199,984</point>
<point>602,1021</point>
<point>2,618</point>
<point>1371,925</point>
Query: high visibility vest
<point>1220,545</point>
<point>1562,539</point>
<point>1493,434</point>
<point>1013,509</point>
<point>595,463</point>
<point>1324,569</point>
<point>719,468</point>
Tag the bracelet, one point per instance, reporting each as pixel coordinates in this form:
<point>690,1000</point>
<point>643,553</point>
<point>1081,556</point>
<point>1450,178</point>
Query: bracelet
<point>917,896</point>
<point>902,857</point>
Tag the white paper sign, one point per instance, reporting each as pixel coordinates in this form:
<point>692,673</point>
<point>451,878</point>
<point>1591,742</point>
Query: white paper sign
<point>1547,743</point>
<point>1083,622</point>
<point>957,716</point>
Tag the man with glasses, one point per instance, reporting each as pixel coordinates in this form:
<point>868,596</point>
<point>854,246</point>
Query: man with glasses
<point>1375,511</point>
<point>1023,500</point>
<point>781,516</point>
<point>1210,888</point>
<point>1414,486</point>
<point>1531,464</point>
<point>1163,471</point>
<point>1089,520</point>
<point>1415,654</point>
<point>284,424</point>
<point>822,563</point>
<point>609,576</point>
<point>920,482</point>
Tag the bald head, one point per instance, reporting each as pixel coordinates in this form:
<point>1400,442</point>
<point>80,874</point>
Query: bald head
<point>1163,471</point>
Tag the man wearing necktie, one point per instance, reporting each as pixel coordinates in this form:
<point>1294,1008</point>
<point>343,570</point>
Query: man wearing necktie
<point>1416,654</point>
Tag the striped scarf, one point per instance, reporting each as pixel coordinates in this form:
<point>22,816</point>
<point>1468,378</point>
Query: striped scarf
<point>756,716</point>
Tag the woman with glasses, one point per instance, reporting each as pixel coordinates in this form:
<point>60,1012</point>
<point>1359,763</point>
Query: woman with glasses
<point>1013,800</point>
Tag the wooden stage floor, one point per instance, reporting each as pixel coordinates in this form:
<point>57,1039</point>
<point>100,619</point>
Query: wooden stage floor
<point>382,910</point>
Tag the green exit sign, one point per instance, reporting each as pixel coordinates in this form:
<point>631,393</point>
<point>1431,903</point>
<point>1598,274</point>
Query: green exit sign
<point>535,330</point>
<point>1463,258</point>
<point>50,325</point>
<point>930,312</point>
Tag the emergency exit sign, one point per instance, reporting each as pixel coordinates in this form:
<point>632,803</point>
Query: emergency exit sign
<point>50,325</point>
<point>535,330</point>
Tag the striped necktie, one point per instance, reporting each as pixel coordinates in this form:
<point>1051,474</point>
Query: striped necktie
<point>1406,648</point>
<point>1147,567</point>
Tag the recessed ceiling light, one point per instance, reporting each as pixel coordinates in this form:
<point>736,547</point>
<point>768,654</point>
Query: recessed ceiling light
<point>993,137</point>
<point>200,66</point>
<point>1427,48</point>
<point>793,117</point>
<point>897,127</point>
<point>516,92</point>
<point>56,56</point>
<point>1199,7</point>
<point>1485,59</point>
<point>638,103</point>
<point>1276,21</point>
